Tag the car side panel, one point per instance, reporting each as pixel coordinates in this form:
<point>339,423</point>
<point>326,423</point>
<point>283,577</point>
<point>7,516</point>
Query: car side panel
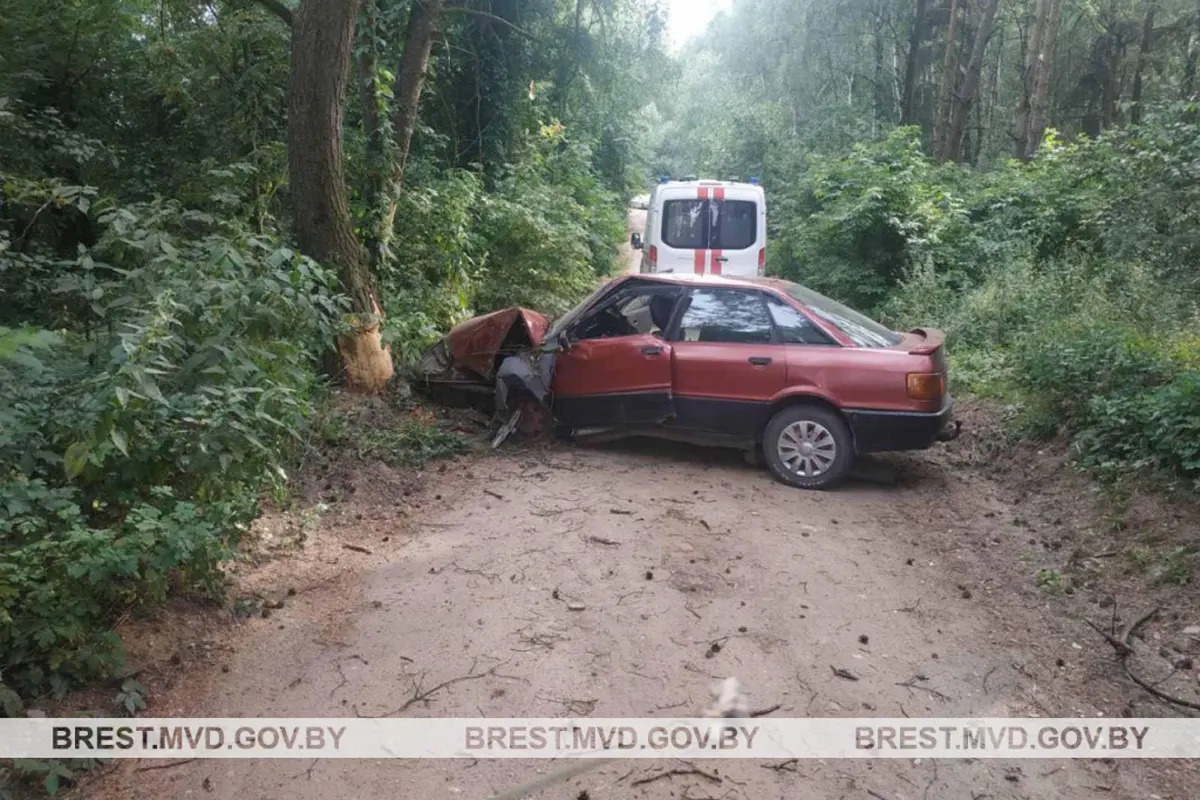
<point>623,380</point>
<point>717,389</point>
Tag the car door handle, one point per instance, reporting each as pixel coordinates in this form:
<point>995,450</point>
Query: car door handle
<point>759,361</point>
<point>722,258</point>
<point>653,350</point>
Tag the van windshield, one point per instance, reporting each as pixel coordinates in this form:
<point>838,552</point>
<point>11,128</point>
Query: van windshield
<point>862,330</point>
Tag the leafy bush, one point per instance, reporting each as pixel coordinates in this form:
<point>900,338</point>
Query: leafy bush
<point>1063,284</point>
<point>134,442</point>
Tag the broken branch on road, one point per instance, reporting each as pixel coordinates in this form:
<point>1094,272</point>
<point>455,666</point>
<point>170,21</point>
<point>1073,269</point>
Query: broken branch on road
<point>678,772</point>
<point>1124,649</point>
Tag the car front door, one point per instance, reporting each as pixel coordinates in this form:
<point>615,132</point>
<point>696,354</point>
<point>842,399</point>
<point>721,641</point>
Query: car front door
<point>727,362</point>
<point>616,367</point>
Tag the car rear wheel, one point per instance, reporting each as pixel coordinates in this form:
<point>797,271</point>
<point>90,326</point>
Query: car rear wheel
<point>808,446</point>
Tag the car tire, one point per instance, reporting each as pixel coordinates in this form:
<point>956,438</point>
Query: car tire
<point>808,447</point>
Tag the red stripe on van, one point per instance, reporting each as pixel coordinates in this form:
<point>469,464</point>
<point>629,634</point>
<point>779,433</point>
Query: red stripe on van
<point>702,193</point>
<point>698,262</point>
<point>716,262</point>
<point>719,193</point>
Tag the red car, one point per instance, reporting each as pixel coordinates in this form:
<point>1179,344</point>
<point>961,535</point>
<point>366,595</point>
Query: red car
<point>749,363</point>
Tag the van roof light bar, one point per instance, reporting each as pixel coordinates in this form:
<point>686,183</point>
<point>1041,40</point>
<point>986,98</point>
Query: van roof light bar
<point>754,181</point>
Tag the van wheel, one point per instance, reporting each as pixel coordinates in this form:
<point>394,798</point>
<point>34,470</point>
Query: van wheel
<point>808,447</point>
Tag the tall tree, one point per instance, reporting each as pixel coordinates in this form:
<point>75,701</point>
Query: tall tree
<point>949,81</point>
<point>968,95</point>
<point>1135,112</point>
<point>908,111</point>
<point>1035,78</point>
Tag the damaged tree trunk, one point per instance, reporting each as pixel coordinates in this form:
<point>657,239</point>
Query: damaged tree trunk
<point>322,35</point>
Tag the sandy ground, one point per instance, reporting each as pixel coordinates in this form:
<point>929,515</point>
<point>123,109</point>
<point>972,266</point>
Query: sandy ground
<point>701,548</point>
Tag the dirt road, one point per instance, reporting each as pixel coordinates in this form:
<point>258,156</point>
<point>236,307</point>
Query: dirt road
<point>670,549</point>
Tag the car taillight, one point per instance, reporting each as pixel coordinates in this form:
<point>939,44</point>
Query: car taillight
<point>762,261</point>
<point>926,386</point>
<point>653,257</point>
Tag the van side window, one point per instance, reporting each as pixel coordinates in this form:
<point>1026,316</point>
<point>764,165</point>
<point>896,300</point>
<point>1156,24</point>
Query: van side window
<point>794,327</point>
<point>726,315</point>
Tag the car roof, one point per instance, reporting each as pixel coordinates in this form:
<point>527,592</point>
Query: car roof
<point>685,279</point>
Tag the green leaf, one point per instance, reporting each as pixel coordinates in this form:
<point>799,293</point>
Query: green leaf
<point>76,458</point>
<point>118,439</point>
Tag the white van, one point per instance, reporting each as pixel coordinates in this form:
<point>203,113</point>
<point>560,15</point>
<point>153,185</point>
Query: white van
<point>705,228</point>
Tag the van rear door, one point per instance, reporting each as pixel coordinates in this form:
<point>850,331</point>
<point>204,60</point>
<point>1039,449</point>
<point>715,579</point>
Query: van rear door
<point>737,230</point>
<point>714,229</point>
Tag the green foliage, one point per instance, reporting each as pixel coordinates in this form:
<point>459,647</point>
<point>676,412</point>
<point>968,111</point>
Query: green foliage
<point>134,441</point>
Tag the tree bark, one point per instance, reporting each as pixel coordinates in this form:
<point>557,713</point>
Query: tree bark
<point>1193,56</point>
<point>911,66</point>
<point>322,37</point>
<point>1033,47</point>
<point>1040,104</point>
<point>1135,110</point>
<point>423,21</point>
<point>969,94</point>
<point>949,83</point>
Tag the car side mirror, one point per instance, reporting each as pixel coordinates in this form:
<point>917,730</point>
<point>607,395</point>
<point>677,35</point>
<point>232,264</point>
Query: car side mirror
<point>564,342</point>
<point>635,241</point>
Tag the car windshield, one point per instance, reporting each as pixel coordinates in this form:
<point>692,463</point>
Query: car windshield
<point>862,330</point>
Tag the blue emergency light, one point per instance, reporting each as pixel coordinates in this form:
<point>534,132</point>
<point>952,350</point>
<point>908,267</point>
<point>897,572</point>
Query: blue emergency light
<point>754,181</point>
<point>664,179</point>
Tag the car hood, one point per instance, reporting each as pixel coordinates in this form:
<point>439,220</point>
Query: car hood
<point>474,349</point>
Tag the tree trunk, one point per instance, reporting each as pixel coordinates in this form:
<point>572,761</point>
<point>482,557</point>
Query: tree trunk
<point>949,83</point>
<point>322,35</point>
<point>1040,102</point>
<point>1033,45</point>
<point>410,81</point>
<point>1193,56</point>
<point>969,94</point>
<point>1135,110</point>
<point>911,67</point>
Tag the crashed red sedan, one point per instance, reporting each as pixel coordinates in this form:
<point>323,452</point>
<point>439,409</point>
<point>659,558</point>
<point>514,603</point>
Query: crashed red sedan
<point>764,365</point>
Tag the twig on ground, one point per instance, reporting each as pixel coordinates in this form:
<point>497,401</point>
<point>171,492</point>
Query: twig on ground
<point>876,794</point>
<point>844,674</point>
<point>496,495</point>
<point>1124,649</point>
<point>911,609</point>
<point>680,772</point>
<point>420,695</point>
<point>762,712</point>
<point>603,541</point>
<point>932,691</point>
<point>172,765</point>
<point>357,549</point>
<point>791,765</point>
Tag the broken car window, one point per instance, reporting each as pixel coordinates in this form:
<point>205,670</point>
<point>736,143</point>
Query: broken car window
<point>635,309</point>
<point>726,315</point>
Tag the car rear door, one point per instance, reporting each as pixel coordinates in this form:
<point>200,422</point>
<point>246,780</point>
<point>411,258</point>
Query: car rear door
<point>617,369</point>
<point>727,362</point>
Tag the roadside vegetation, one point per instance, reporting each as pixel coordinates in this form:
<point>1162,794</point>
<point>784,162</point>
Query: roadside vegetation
<point>194,248</point>
<point>1042,212</point>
